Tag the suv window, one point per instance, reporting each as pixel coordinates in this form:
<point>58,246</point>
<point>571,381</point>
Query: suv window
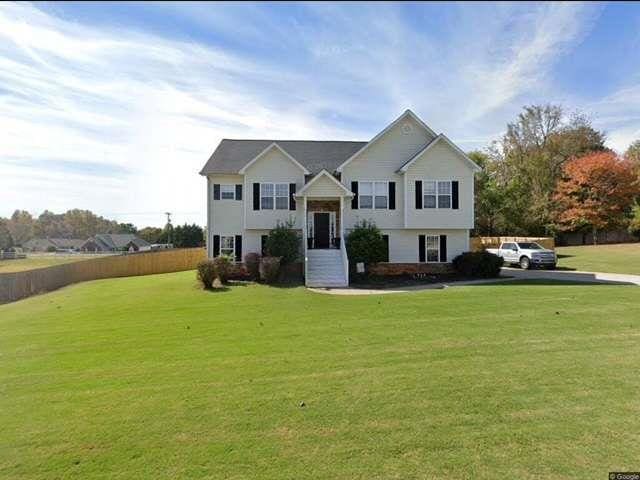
<point>507,246</point>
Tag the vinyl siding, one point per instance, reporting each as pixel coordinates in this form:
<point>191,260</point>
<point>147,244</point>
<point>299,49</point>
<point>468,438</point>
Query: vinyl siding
<point>273,167</point>
<point>323,188</point>
<point>225,216</point>
<point>380,162</point>
<point>441,162</point>
<point>403,244</point>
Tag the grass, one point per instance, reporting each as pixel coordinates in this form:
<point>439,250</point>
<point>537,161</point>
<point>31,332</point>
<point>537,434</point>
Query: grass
<point>39,261</point>
<point>150,377</point>
<point>618,258</point>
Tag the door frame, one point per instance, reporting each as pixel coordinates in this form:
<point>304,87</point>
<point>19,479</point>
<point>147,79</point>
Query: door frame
<point>332,225</point>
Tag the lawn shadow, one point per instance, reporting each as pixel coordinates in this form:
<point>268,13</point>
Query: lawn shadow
<point>550,282</point>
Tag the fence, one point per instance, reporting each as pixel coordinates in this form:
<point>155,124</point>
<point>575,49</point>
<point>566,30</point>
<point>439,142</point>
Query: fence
<point>17,285</point>
<point>480,243</point>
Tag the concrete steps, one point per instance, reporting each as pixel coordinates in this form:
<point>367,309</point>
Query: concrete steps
<point>325,269</point>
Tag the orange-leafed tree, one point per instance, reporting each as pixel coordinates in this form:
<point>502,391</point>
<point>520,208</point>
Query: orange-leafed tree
<point>596,192</point>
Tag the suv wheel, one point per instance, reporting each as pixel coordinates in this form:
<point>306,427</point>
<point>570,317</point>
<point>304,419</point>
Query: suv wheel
<point>525,263</point>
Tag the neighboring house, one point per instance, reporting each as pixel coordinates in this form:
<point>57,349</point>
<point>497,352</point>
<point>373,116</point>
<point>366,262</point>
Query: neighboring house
<point>416,185</point>
<point>52,244</point>
<point>114,242</point>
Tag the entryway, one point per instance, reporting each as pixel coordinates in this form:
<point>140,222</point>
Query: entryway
<point>321,230</point>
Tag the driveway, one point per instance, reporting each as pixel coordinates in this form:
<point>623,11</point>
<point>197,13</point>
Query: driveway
<point>572,276</point>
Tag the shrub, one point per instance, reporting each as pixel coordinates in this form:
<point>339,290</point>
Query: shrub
<point>206,273</point>
<point>252,262</point>
<point>222,267</point>
<point>269,269</point>
<point>51,249</point>
<point>634,223</point>
<point>365,244</point>
<point>478,264</point>
<point>284,242</point>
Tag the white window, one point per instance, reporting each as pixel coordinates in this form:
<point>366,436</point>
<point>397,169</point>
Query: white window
<point>227,245</point>
<point>437,194</point>
<point>373,195</point>
<point>282,196</point>
<point>228,192</point>
<point>433,248</point>
<point>274,195</point>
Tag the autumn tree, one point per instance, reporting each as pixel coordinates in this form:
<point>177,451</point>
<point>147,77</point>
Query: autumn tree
<point>20,226</point>
<point>596,192</point>
<point>6,241</point>
<point>633,155</point>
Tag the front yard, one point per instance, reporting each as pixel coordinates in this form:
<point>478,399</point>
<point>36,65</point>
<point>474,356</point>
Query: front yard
<point>617,258</point>
<point>150,377</point>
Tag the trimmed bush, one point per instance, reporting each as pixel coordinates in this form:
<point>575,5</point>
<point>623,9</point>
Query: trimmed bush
<point>222,266</point>
<point>365,244</point>
<point>206,273</point>
<point>269,269</point>
<point>252,262</point>
<point>478,264</point>
<point>284,242</point>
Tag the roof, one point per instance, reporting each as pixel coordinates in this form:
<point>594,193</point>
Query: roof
<point>441,137</point>
<point>324,173</point>
<point>44,243</point>
<point>111,241</point>
<point>232,155</point>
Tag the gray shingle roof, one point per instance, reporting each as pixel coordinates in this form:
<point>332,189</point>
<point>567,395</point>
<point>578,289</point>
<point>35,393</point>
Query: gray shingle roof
<point>232,155</point>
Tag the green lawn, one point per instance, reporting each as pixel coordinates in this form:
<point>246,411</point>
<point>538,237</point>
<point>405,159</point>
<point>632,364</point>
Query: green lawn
<point>152,378</point>
<point>618,258</point>
<point>38,261</point>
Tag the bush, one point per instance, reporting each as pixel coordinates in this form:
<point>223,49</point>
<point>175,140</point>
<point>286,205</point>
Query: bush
<point>252,262</point>
<point>222,267</point>
<point>269,269</point>
<point>51,249</point>
<point>206,273</point>
<point>284,242</point>
<point>365,244</point>
<point>634,223</point>
<point>478,264</point>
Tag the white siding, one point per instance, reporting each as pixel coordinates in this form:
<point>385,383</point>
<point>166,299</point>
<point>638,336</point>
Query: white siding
<point>273,167</point>
<point>225,216</point>
<point>380,162</point>
<point>403,244</point>
<point>324,187</point>
<point>441,162</point>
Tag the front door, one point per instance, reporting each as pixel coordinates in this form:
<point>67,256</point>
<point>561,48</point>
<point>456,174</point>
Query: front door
<point>321,230</point>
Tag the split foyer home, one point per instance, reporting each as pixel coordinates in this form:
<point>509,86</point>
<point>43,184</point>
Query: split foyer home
<point>414,184</point>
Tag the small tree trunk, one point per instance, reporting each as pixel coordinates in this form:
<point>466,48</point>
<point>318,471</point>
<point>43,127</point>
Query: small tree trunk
<point>595,236</point>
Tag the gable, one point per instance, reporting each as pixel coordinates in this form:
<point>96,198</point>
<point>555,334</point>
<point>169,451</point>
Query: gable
<point>274,153</point>
<point>441,153</point>
<point>392,147</point>
<point>324,185</point>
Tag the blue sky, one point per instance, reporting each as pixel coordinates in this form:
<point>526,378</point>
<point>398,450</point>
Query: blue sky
<point>115,107</point>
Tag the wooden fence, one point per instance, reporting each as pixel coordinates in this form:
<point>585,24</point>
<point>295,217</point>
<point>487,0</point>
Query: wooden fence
<point>480,243</point>
<point>17,285</point>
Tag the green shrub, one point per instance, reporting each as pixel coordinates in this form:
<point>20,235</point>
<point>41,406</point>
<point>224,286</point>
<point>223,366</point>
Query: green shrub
<point>284,242</point>
<point>222,267</point>
<point>51,249</point>
<point>478,264</point>
<point>269,269</point>
<point>365,244</point>
<point>252,262</point>
<point>634,223</point>
<point>206,273</point>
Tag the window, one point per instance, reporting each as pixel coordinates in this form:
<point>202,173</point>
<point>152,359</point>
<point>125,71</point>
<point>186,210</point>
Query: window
<point>228,192</point>
<point>433,248</point>
<point>437,194</point>
<point>227,246</point>
<point>373,195</point>
<point>274,195</point>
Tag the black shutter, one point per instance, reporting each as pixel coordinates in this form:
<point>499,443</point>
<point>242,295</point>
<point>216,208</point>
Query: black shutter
<point>216,191</point>
<point>454,195</point>
<point>443,248</point>
<point>418,194</point>
<point>392,195</point>
<point>354,200</point>
<point>216,245</point>
<point>239,192</point>
<point>256,196</point>
<point>263,245</point>
<point>386,246</point>
<point>238,248</point>
<point>292,192</point>
<point>422,257</point>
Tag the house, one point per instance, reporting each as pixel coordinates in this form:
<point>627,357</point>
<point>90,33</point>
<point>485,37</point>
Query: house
<point>52,244</point>
<point>114,242</point>
<point>414,184</point>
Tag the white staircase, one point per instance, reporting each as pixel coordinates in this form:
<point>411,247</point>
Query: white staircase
<point>325,268</point>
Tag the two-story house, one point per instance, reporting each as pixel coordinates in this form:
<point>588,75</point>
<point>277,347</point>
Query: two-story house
<point>415,185</point>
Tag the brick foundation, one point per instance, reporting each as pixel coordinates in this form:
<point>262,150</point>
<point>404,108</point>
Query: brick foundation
<point>391,269</point>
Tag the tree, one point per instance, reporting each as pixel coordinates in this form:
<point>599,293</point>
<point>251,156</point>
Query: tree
<point>20,226</point>
<point>633,155</point>
<point>596,192</point>
<point>187,236</point>
<point>150,234</point>
<point>634,222</point>
<point>127,228</point>
<point>6,241</point>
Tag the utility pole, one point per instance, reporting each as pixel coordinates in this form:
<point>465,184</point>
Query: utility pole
<point>169,226</point>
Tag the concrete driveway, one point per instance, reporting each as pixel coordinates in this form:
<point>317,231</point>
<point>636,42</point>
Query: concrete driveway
<point>572,276</point>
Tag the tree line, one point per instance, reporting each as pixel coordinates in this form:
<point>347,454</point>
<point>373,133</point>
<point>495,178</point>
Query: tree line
<point>22,227</point>
<point>550,173</point>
